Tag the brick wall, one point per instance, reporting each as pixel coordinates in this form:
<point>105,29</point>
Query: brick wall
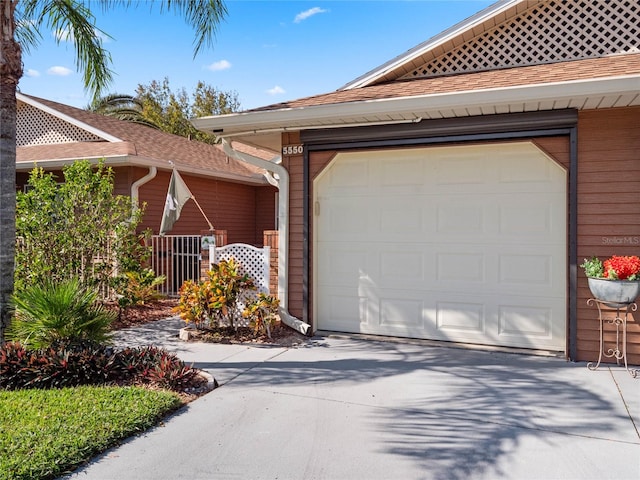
<point>271,241</point>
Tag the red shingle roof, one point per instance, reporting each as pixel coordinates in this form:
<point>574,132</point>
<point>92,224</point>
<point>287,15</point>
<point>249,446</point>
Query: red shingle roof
<point>139,142</point>
<point>618,65</point>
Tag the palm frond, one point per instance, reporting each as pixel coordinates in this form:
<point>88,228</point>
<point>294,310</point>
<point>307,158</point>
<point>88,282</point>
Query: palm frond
<point>203,15</point>
<point>123,107</point>
<point>76,22</point>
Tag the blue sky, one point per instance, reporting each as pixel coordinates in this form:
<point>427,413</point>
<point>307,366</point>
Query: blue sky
<point>266,51</point>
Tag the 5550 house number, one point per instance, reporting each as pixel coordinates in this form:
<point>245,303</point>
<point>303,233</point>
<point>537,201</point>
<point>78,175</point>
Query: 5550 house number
<point>292,150</point>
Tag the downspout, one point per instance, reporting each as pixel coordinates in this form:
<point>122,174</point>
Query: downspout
<point>135,186</point>
<point>282,183</point>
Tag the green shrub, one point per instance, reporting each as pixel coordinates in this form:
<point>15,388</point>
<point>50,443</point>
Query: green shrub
<point>76,228</point>
<point>48,312</point>
<point>138,287</point>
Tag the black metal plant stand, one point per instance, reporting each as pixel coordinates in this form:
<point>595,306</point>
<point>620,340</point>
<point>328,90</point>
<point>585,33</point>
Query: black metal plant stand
<point>620,321</point>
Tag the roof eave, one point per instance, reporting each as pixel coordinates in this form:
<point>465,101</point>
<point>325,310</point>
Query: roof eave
<point>137,161</point>
<point>334,115</point>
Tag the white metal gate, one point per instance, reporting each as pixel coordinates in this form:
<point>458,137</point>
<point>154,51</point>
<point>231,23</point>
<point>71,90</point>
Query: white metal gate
<point>178,258</point>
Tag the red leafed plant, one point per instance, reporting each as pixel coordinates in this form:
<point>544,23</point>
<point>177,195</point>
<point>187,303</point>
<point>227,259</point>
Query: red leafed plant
<point>614,268</point>
<point>622,268</point>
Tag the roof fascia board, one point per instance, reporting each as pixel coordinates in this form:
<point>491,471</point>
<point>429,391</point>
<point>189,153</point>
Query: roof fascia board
<point>447,127</point>
<point>443,37</point>
<point>74,121</point>
<point>303,118</point>
<point>129,161</point>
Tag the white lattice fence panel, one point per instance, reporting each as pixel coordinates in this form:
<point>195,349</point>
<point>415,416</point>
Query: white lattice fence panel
<point>35,127</point>
<point>251,260</point>
<point>551,31</point>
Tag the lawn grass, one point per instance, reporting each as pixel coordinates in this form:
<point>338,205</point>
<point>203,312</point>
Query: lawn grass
<point>44,433</point>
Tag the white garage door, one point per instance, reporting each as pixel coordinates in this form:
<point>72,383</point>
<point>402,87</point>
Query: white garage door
<point>464,243</point>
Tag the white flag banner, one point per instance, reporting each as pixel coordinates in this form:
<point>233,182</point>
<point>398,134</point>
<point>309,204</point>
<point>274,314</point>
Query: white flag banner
<point>177,196</point>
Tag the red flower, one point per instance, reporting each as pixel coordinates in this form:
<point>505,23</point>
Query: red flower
<point>621,268</point>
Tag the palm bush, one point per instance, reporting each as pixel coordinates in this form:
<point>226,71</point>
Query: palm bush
<point>47,312</point>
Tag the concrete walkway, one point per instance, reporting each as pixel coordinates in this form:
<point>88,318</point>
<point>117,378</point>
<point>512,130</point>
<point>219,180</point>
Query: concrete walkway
<point>345,408</point>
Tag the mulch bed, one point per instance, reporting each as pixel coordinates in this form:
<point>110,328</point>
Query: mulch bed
<point>281,335</point>
<point>141,314</point>
<point>160,309</point>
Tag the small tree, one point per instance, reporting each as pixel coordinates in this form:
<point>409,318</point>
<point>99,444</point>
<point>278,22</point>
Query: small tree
<point>171,111</point>
<point>76,229</point>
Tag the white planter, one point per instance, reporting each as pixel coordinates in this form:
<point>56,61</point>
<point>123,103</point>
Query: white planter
<point>614,291</point>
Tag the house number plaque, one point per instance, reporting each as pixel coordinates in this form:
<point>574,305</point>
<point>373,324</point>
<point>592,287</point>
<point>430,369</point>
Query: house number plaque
<point>292,150</point>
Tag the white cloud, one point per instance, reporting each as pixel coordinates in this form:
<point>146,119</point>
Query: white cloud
<point>63,35</point>
<point>104,38</point>
<point>308,13</point>
<point>59,71</point>
<point>32,73</point>
<point>219,65</point>
<point>277,90</point>
<point>66,35</point>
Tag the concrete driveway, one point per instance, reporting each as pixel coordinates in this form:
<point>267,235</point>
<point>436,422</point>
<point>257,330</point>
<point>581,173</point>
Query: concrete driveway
<point>348,408</point>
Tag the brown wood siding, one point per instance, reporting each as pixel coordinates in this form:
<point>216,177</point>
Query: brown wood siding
<point>229,206</point>
<point>244,211</point>
<point>22,178</point>
<point>265,202</point>
<point>122,180</point>
<point>608,209</point>
<point>294,165</point>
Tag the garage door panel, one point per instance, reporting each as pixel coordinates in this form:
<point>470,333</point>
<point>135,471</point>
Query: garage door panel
<point>402,266</point>
<point>526,269</point>
<point>402,216</point>
<point>343,216</point>
<point>487,269</point>
<point>343,309</point>
<point>342,266</point>
<point>403,175</point>
<point>464,244</point>
<point>401,312</point>
<point>460,217</point>
<point>350,175</point>
<point>529,214</point>
<point>458,168</point>
<point>460,318</point>
<point>461,266</point>
<point>525,321</point>
<point>525,167</point>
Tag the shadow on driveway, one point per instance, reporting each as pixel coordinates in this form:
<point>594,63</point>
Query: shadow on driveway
<point>455,413</point>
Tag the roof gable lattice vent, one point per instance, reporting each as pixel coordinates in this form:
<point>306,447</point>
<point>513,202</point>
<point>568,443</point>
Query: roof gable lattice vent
<point>36,127</point>
<point>551,31</point>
